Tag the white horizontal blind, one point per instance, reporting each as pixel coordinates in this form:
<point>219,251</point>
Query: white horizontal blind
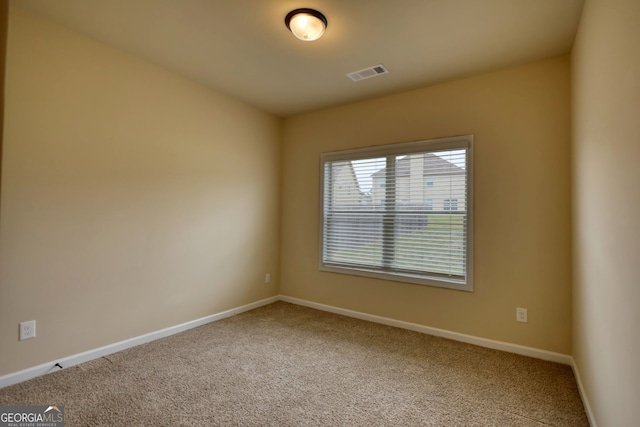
<point>397,212</point>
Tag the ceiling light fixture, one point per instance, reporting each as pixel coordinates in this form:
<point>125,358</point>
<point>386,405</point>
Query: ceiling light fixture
<point>306,24</point>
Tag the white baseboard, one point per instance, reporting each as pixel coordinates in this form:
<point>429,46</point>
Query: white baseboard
<point>66,362</point>
<point>470,339</point>
<point>583,394</point>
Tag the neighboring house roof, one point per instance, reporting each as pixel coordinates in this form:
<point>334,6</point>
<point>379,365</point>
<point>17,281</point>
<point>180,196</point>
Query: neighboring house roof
<point>345,166</point>
<point>433,165</point>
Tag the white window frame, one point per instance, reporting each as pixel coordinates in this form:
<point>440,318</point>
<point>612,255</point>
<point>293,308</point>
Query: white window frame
<point>440,144</point>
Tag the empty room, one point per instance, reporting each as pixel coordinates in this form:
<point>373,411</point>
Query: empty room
<point>323,212</point>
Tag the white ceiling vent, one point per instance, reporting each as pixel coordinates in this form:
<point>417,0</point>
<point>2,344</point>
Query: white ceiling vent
<point>374,71</point>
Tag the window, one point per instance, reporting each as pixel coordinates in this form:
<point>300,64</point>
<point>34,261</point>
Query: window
<point>450,204</point>
<point>395,231</point>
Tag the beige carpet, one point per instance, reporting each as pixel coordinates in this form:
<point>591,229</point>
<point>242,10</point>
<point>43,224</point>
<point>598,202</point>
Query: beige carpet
<point>286,365</point>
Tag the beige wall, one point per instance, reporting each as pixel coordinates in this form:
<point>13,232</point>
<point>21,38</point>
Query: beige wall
<point>521,121</point>
<point>606,187</point>
<point>132,199</point>
<point>4,28</point>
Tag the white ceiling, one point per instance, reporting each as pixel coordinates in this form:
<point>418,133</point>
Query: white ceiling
<point>242,47</point>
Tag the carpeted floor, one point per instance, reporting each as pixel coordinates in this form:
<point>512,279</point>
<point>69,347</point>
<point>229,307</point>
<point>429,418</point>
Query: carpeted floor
<point>286,365</point>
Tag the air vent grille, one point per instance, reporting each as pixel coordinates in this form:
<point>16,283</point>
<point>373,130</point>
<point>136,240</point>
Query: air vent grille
<point>366,73</point>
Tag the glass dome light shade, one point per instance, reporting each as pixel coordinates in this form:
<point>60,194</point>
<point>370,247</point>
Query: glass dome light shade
<point>306,24</point>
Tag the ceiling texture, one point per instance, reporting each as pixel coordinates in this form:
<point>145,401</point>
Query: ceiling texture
<point>243,49</point>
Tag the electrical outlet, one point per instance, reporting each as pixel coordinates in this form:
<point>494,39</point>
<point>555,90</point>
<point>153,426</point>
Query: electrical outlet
<point>267,278</point>
<point>27,330</point>
<point>521,315</point>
